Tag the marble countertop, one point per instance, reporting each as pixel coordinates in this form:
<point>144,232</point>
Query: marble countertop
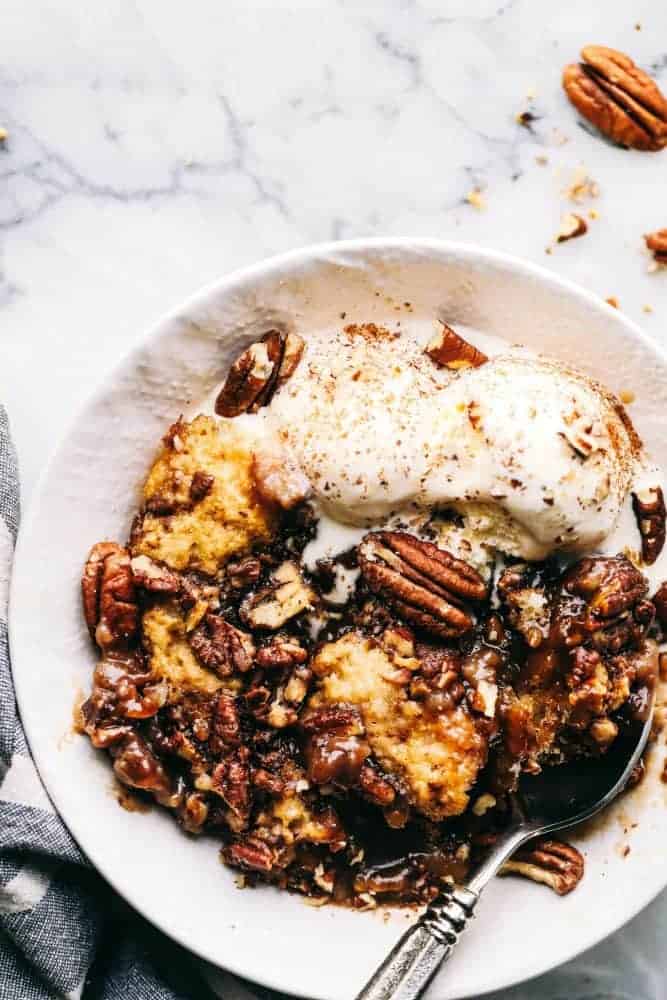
<point>154,146</point>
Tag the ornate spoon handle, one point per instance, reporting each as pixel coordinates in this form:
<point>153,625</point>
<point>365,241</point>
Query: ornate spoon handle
<point>409,967</point>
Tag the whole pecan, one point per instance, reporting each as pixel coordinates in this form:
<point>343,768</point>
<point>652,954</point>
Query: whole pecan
<point>657,243</point>
<point>109,598</point>
<point>231,781</point>
<point>449,350</point>
<point>424,584</point>
<point>258,372</point>
<point>649,508</point>
<point>550,862</point>
<point>221,647</point>
<point>620,99</point>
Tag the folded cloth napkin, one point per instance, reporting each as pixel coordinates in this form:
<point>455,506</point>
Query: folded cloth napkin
<point>65,934</point>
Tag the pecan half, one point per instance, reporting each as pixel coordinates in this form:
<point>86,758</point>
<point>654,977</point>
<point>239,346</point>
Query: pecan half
<point>109,598</point>
<point>423,583</point>
<point>448,350</point>
<point>622,101</point>
<point>231,781</point>
<point>251,854</point>
<point>257,373</point>
<point>201,485</point>
<point>287,595</point>
<point>657,243</point>
<point>550,862</point>
<point>649,508</point>
<point>221,647</point>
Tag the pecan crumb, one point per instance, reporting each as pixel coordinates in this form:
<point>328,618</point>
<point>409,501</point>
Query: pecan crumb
<point>476,199</point>
<point>449,350</point>
<point>656,242</point>
<point>571,226</point>
<point>550,862</point>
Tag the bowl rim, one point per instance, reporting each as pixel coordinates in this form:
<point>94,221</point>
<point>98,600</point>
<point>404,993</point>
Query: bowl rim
<point>292,260</point>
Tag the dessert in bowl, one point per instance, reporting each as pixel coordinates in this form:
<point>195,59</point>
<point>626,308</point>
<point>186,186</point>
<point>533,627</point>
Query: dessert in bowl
<point>95,485</point>
<point>372,581</point>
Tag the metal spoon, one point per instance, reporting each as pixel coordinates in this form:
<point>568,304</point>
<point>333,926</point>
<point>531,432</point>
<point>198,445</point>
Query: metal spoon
<point>557,798</point>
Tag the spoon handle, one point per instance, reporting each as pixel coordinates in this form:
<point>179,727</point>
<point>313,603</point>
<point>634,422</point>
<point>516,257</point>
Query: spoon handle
<point>409,967</point>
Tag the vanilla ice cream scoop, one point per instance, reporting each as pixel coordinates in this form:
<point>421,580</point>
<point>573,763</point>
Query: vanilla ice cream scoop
<point>538,456</point>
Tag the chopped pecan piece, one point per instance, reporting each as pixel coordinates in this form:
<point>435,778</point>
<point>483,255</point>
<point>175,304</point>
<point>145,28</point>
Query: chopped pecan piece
<point>225,723</point>
<point>252,853</point>
<point>448,350</point>
<point>244,572</point>
<point>423,583</point>
<point>278,478</point>
<point>257,373</point>
<point>588,682</point>
<point>281,651</point>
<point>289,697</point>
<point>136,765</point>
<point>649,508</point>
<point>231,781</point>
<point>287,595</point>
<point>193,813</point>
<point>201,485</point>
<point>657,243</point>
<point>109,598</point>
<point>611,586</point>
<point>155,577</point>
<point>376,788</point>
<point>622,101</point>
<point>221,647</point>
<point>550,862</point>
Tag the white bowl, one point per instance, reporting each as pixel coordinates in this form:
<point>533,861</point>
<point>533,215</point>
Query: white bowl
<point>88,492</point>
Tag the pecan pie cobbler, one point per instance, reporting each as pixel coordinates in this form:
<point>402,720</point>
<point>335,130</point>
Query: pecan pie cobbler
<point>363,595</point>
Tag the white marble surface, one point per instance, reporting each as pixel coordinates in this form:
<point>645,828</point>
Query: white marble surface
<point>153,146</point>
